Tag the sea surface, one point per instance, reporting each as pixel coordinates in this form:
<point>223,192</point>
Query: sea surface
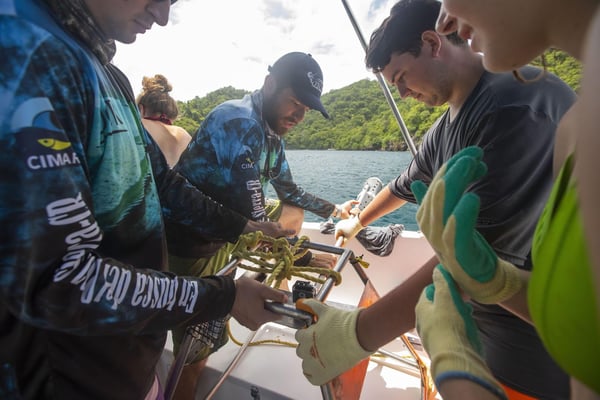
<point>338,176</point>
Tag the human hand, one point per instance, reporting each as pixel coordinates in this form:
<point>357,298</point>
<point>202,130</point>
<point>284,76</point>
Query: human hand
<point>348,228</point>
<point>449,334</point>
<point>447,217</point>
<point>322,260</point>
<point>347,209</point>
<point>268,228</point>
<point>249,305</point>
<point>329,346</point>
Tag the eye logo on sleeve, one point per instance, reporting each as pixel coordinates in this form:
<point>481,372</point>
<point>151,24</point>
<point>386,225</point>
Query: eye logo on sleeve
<point>43,141</point>
<point>54,144</point>
<point>248,163</point>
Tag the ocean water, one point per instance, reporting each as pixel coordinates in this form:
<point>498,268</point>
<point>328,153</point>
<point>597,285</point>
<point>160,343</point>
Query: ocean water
<point>338,176</point>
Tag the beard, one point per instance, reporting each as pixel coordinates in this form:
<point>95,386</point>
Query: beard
<point>271,117</point>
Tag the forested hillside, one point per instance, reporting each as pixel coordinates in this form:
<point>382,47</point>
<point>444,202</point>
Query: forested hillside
<point>361,118</point>
<point>192,113</point>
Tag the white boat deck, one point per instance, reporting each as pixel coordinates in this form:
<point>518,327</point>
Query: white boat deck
<point>275,371</point>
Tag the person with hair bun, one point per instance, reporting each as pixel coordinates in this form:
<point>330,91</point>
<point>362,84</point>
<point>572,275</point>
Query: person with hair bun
<point>159,110</point>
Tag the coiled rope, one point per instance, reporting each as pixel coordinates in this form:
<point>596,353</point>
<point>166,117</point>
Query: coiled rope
<point>276,257</point>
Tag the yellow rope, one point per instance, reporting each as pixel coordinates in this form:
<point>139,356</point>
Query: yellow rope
<point>259,342</point>
<point>277,342</point>
<point>276,257</point>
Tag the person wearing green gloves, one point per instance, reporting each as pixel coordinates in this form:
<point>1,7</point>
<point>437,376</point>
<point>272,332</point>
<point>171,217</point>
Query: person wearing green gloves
<point>449,333</point>
<point>515,124</point>
<point>446,217</point>
<point>562,294</point>
<point>465,253</point>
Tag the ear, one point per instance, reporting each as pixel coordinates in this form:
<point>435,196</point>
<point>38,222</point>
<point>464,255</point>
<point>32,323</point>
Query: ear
<point>270,85</point>
<point>432,42</point>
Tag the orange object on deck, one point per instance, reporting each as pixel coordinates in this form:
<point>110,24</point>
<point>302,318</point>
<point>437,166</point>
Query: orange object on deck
<point>513,394</point>
<point>348,385</point>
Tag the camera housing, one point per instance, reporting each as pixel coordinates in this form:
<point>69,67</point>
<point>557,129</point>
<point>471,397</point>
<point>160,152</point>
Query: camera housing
<point>303,290</point>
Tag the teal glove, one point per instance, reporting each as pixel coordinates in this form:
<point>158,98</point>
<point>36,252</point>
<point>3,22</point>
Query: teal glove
<point>447,217</point>
<point>330,346</point>
<point>449,335</point>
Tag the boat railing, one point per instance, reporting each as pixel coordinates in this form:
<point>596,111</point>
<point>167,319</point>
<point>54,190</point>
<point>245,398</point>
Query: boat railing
<point>294,318</point>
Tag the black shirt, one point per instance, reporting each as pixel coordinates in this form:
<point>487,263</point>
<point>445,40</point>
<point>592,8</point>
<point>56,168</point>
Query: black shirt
<point>514,123</point>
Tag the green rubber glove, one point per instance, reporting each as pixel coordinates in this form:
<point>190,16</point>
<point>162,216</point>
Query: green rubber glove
<point>449,335</point>
<point>330,346</point>
<point>447,217</point>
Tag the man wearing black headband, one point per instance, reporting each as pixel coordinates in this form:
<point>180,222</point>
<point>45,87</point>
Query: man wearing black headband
<point>85,302</point>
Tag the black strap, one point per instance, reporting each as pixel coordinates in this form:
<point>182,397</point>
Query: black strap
<point>121,80</point>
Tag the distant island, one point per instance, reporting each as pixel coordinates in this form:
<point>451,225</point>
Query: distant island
<point>361,119</point>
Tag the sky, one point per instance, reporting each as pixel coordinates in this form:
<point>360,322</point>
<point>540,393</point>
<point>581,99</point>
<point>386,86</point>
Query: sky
<point>208,45</point>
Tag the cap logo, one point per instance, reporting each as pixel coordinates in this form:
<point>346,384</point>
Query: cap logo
<point>315,81</point>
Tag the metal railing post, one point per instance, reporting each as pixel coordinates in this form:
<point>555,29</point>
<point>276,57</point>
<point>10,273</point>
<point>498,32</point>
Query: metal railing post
<point>384,86</point>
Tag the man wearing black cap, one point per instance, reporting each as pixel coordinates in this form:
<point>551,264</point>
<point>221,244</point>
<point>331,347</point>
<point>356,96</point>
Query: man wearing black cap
<point>301,73</point>
<point>235,153</point>
<point>238,150</point>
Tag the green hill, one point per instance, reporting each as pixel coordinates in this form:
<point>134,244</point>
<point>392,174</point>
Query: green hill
<point>361,118</point>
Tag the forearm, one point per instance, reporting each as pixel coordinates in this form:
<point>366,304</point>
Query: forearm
<point>94,295</point>
<point>518,304</point>
<point>294,195</point>
<point>393,314</point>
<point>464,389</point>
<point>384,203</point>
<point>581,392</point>
<point>185,205</point>
<point>586,152</point>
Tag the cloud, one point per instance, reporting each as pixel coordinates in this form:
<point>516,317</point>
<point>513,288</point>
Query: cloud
<point>210,45</point>
<point>377,6</point>
<point>276,10</point>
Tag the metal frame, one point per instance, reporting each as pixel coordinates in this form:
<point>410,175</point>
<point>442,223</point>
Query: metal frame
<point>293,318</point>
<point>298,318</point>
<point>384,86</point>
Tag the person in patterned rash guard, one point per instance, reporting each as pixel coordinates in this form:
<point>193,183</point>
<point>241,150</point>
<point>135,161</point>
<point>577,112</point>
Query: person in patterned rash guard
<point>235,154</point>
<point>238,150</point>
<point>85,299</point>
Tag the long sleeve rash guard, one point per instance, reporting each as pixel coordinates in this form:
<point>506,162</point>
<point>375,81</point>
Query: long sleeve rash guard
<point>235,155</point>
<point>85,302</point>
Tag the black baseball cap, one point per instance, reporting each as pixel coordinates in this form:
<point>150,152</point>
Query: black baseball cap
<point>301,72</point>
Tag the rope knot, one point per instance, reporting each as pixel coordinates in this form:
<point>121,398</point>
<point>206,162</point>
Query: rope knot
<point>276,257</point>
